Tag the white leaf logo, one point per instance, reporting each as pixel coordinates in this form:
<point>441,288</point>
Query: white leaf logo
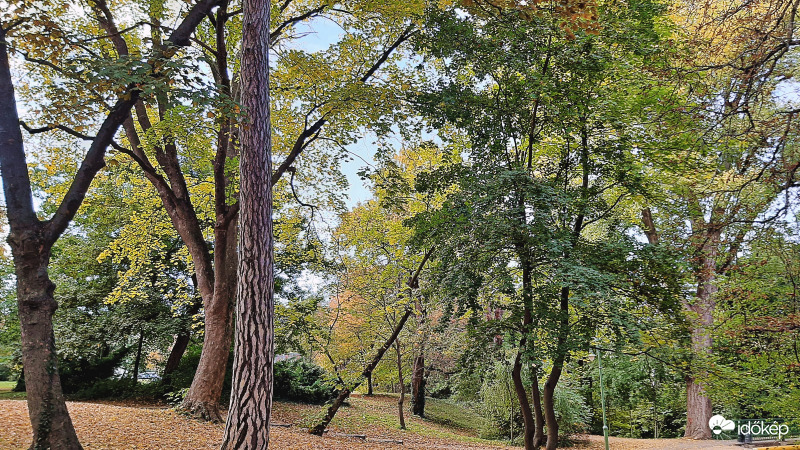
<point>718,424</point>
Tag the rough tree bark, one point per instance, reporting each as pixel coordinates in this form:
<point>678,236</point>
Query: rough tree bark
<point>31,241</point>
<point>701,315</point>
<point>701,320</point>
<point>251,396</point>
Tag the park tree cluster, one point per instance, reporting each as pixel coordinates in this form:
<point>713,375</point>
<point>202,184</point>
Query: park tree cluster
<point>547,182</point>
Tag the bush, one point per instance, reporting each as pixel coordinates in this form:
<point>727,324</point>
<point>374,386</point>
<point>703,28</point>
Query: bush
<point>500,406</point>
<point>301,381</point>
<point>5,373</point>
<point>572,413</point>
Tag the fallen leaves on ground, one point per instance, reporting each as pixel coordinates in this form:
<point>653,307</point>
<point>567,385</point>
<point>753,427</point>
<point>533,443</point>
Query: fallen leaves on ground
<point>105,426</point>
<point>143,427</point>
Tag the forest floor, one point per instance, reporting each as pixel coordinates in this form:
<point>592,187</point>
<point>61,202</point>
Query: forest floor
<point>137,426</point>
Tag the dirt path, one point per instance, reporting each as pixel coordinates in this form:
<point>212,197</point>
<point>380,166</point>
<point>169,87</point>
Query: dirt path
<point>596,442</point>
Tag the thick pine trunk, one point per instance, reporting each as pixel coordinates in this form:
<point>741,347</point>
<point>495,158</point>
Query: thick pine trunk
<point>418,386</point>
<point>251,394</point>
<point>52,426</point>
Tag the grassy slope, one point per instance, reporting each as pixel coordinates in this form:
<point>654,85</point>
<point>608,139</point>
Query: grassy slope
<point>377,415</point>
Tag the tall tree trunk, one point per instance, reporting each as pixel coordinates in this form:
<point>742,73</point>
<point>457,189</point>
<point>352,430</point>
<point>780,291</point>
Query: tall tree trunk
<point>251,395</point>
<point>138,358</point>
<point>52,426</point>
<point>320,427</point>
<point>202,400</point>
<point>369,384</point>
<point>701,311</point>
<point>418,386</point>
<point>402,398</point>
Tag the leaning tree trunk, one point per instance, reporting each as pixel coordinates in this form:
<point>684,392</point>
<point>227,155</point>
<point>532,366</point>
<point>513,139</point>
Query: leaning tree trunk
<point>251,395</point>
<point>138,358</point>
<point>176,354</point>
<point>320,427</point>
<point>413,283</point>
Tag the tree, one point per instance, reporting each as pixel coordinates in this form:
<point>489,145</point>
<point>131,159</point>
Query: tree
<point>536,224</point>
<point>735,138</point>
<point>31,239</point>
<point>251,393</point>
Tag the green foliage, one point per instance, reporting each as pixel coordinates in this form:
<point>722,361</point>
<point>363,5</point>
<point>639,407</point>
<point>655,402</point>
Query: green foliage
<point>299,380</point>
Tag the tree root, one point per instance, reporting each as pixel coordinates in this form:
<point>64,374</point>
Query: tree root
<point>207,411</point>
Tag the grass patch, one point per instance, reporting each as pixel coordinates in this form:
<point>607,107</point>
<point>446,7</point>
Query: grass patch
<point>453,414</point>
<point>7,394</point>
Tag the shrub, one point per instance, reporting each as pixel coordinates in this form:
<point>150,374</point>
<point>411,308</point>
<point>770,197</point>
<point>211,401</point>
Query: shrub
<point>301,381</point>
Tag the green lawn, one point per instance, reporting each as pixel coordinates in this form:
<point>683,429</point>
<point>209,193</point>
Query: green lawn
<point>5,391</point>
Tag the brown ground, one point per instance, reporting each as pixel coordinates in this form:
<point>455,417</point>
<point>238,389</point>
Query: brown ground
<point>109,426</point>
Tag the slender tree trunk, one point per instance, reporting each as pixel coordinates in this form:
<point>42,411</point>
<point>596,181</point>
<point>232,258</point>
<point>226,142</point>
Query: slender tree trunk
<point>528,423</point>
<point>418,387</point>
<point>548,396</point>
<point>320,427</point>
<point>138,359</point>
<point>413,283</point>
<point>538,437</point>
<point>402,398</point>
<point>369,384</point>
<point>251,395</point>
